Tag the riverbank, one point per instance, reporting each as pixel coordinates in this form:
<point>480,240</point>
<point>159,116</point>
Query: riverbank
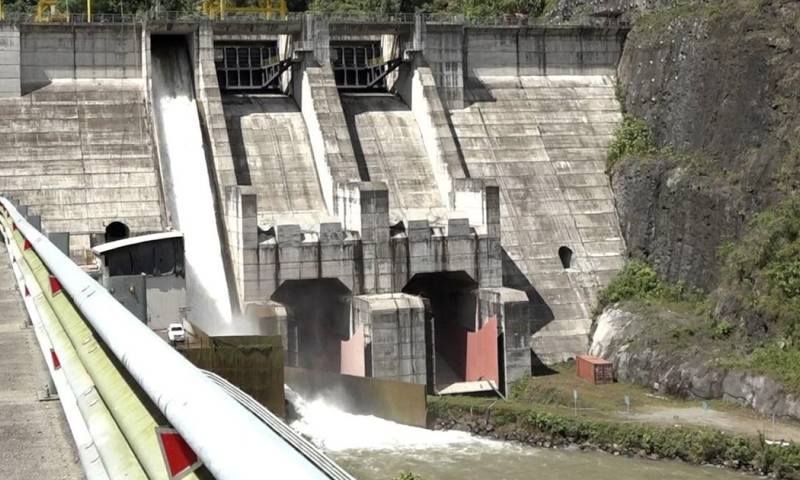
<point>540,426</point>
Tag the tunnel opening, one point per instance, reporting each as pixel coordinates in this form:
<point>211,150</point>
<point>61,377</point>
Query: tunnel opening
<point>565,254</point>
<point>461,349</point>
<point>318,320</point>
<point>116,231</point>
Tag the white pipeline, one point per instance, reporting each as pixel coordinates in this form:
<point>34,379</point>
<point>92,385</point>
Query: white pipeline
<point>229,440</point>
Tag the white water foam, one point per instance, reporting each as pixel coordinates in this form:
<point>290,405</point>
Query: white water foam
<point>188,187</point>
<point>334,430</point>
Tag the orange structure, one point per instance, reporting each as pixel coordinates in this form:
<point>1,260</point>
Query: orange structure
<point>594,369</point>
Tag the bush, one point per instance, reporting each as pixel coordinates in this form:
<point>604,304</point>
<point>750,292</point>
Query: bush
<point>407,476</point>
<point>763,267</point>
<point>633,137</point>
<point>637,281</point>
<point>695,445</point>
<point>468,8</point>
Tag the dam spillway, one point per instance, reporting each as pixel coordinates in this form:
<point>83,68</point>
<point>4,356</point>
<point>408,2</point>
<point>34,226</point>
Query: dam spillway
<point>476,160</point>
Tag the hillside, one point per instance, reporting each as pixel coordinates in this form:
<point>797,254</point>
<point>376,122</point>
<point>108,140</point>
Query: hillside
<point>707,192</point>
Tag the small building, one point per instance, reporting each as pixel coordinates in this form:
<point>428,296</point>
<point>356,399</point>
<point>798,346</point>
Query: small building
<point>594,369</point>
<point>146,275</point>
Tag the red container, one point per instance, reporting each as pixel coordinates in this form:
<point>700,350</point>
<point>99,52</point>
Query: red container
<point>594,369</point>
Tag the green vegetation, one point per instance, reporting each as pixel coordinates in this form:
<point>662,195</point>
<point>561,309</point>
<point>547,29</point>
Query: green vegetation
<point>106,6</point>
<point>638,281</point>
<point>763,268</point>
<point>535,424</point>
<point>599,401</point>
<point>407,476</point>
<point>633,137</point>
<point>468,8</point>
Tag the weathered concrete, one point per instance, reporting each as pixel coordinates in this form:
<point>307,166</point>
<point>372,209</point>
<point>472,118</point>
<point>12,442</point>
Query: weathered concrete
<point>393,330</point>
<point>417,87</point>
<point>35,441</point>
<point>522,51</point>
<point>79,153</point>
<point>78,52</point>
<point>544,139</point>
<point>272,152</point>
<point>9,62</point>
<point>314,90</point>
<point>390,148</point>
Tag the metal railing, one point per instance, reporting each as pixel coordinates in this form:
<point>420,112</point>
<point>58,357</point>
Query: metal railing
<point>330,17</point>
<point>221,431</point>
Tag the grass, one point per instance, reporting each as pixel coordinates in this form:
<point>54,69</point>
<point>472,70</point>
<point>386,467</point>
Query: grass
<point>534,423</point>
<point>638,281</point>
<point>555,392</point>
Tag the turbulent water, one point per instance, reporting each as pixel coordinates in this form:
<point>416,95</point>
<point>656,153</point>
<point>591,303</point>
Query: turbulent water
<point>371,448</point>
<point>187,183</point>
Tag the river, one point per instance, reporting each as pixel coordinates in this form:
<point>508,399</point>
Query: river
<point>371,448</point>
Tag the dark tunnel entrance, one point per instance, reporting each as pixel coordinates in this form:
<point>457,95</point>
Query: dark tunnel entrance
<point>452,310</point>
<point>319,319</point>
<point>116,231</point>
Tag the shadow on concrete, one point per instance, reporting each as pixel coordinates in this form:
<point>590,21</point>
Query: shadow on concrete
<point>541,313</point>
<point>538,368</point>
<point>356,103</point>
<point>476,91</point>
<point>238,106</point>
<point>30,87</point>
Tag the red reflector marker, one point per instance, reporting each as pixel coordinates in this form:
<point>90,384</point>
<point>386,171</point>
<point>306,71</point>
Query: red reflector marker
<point>26,245</point>
<point>27,292</point>
<point>56,362</point>
<point>13,227</point>
<point>178,455</point>
<point>55,285</point>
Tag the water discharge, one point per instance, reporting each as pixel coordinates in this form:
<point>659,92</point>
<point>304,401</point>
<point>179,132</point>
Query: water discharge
<point>187,184</point>
<point>371,448</point>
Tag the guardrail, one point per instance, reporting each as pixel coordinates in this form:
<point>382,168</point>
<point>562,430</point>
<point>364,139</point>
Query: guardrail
<point>229,440</point>
<point>330,17</point>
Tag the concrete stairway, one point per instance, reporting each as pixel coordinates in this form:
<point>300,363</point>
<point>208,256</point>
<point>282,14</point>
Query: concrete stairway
<point>271,151</point>
<point>389,148</point>
<point>545,140</point>
<point>81,156</point>
<point>35,441</point>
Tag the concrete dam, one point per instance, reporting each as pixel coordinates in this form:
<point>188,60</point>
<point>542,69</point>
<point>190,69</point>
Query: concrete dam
<point>418,201</point>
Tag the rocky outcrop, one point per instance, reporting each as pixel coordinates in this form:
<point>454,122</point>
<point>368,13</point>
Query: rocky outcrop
<point>676,219</point>
<point>618,337</point>
<point>717,84</point>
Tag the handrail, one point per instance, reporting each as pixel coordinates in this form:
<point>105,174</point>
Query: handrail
<point>86,414</point>
<point>275,423</point>
<point>228,439</point>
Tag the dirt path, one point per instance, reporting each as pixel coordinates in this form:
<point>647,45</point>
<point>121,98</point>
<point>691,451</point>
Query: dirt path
<point>731,422</point>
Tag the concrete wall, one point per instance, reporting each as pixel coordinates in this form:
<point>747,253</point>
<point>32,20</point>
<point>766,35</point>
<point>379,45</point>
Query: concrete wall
<point>9,61</point>
<point>503,51</point>
<point>444,52</point>
<point>52,52</point>
<point>365,259</point>
<point>81,157</point>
